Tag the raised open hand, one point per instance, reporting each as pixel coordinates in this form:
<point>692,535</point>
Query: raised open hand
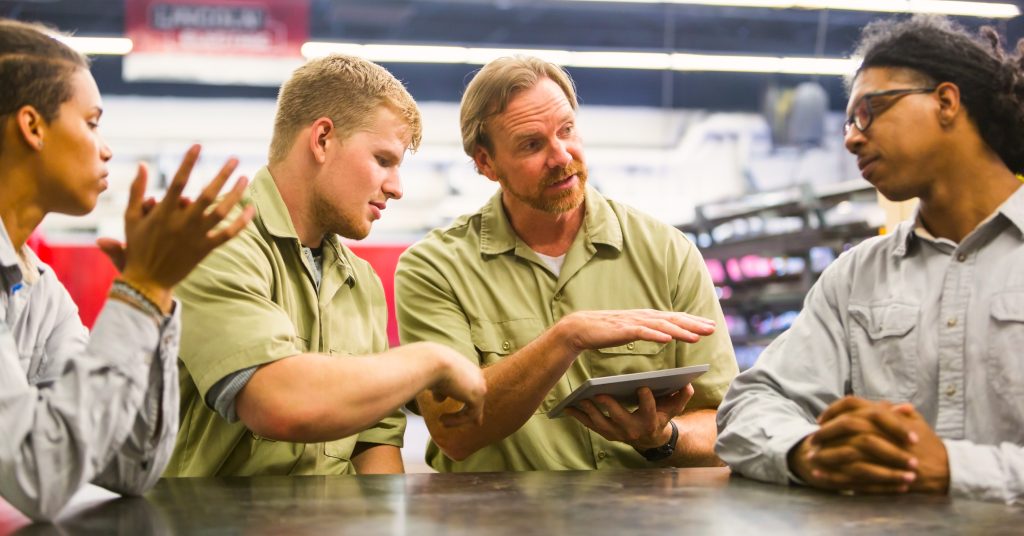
<point>165,240</point>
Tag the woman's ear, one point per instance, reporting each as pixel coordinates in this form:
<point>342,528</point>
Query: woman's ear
<point>31,126</point>
<point>949,102</point>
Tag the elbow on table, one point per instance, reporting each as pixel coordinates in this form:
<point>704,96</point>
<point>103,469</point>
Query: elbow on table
<point>454,448</point>
<point>43,507</point>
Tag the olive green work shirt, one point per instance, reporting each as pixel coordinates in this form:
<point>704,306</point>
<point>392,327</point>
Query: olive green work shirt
<point>253,301</point>
<point>478,288</point>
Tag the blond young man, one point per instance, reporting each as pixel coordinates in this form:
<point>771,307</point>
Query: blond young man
<point>550,284</point>
<point>284,363</point>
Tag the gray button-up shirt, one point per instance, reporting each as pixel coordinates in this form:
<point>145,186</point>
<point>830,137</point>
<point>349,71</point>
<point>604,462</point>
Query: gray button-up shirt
<point>76,409</point>
<point>902,317</point>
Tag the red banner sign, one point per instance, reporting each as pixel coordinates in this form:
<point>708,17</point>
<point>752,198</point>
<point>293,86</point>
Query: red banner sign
<point>247,42</point>
<point>219,27</point>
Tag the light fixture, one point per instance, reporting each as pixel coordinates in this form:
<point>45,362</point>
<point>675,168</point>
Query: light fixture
<point>589,59</point>
<point>115,46</point>
<point>991,10</point>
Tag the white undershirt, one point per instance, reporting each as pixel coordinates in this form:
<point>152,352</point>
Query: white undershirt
<point>554,263</point>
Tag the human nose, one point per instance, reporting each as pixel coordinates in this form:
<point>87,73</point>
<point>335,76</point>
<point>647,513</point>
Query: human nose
<point>105,153</point>
<point>559,156</point>
<point>853,138</point>
<point>393,186</point>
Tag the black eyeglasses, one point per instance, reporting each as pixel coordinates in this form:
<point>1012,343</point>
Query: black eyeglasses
<point>864,113</point>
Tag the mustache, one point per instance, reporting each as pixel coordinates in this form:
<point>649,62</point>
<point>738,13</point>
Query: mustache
<point>558,175</point>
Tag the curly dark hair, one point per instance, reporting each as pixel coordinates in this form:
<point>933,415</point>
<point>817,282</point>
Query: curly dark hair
<point>35,69</point>
<point>991,82</point>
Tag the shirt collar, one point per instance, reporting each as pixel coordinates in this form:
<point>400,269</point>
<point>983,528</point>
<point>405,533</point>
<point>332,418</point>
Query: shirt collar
<point>270,207</point>
<point>273,214</point>
<point>1012,209</point>
<point>599,223</point>
<point>10,266</point>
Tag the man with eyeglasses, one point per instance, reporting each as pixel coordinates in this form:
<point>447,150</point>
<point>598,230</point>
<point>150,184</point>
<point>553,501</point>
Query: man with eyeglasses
<point>903,373</point>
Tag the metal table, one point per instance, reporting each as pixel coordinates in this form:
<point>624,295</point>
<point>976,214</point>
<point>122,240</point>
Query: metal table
<point>639,502</point>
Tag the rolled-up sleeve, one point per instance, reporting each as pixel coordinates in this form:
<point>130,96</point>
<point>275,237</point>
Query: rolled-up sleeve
<point>772,406</point>
<point>106,410</point>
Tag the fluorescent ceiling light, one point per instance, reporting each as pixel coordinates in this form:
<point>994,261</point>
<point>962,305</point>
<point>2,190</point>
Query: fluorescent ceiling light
<point>991,10</point>
<point>117,46</point>
<point>589,59</point>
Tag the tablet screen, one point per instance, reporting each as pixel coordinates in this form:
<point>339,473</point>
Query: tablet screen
<point>623,386</point>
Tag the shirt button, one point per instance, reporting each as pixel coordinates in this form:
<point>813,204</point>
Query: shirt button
<point>631,346</point>
<point>951,322</point>
<point>558,296</point>
<point>602,455</point>
<point>951,390</point>
<point>506,345</point>
<point>961,257</point>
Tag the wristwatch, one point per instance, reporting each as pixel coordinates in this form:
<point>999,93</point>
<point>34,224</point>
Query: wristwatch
<point>654,454</point>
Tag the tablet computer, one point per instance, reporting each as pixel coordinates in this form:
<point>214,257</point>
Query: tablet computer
<point>623,387</point>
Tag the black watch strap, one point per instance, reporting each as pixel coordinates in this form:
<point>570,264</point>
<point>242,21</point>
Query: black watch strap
<point>660,453</point>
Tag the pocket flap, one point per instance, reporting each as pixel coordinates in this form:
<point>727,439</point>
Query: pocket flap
<point>1008,307</point>
<point>885,319</point>
<point>505,337</point>
<point>634,348</point>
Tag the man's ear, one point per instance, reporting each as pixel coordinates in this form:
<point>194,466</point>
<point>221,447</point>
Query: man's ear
<point>31,126</point>
<point>949,102</point>
<point>485,164</point>
<point>321,134</point>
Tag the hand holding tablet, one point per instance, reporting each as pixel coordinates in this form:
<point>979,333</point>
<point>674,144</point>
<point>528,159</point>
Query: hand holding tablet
<point>623,386</point>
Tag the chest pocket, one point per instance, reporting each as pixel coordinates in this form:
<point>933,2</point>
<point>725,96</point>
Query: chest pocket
<point>494,341</point>
<point>636,356</point>
<point>1004,359</point>
<point>884,350</point>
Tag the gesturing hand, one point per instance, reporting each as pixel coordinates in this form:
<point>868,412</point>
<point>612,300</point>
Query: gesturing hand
<point>461,381</point>
<point>589,330</point>
<point>165,240</point>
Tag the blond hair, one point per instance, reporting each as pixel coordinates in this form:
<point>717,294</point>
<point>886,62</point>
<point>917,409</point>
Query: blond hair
<point>345,89</point>
<point>493,86</point>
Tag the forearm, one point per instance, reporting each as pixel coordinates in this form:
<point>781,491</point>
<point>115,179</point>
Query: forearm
<point>310,398</point>
<point>58,437</point>
<point>696,444</point>
<point>516,386</point>
<point>144,455</point>
<point>374,459</point>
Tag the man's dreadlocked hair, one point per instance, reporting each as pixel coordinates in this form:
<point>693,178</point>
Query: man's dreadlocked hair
<point>991,82</point>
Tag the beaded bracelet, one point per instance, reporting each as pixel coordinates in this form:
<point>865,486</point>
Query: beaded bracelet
<point>124,289</point>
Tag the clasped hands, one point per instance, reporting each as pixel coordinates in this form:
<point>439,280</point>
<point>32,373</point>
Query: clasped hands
<point>868,446</point>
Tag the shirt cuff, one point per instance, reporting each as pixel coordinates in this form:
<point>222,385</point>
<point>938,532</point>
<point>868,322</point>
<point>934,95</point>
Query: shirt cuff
<point>127,337</point>
<point>784,440</point>
<point>975,471</point>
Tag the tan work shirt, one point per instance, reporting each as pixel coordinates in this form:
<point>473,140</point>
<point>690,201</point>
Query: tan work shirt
<point>478,288</point>
<point>253,301</point>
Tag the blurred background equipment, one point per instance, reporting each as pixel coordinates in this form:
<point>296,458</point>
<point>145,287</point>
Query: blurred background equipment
<point>721,118</point>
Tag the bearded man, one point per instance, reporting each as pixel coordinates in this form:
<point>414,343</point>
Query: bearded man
<point>550,284</point>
